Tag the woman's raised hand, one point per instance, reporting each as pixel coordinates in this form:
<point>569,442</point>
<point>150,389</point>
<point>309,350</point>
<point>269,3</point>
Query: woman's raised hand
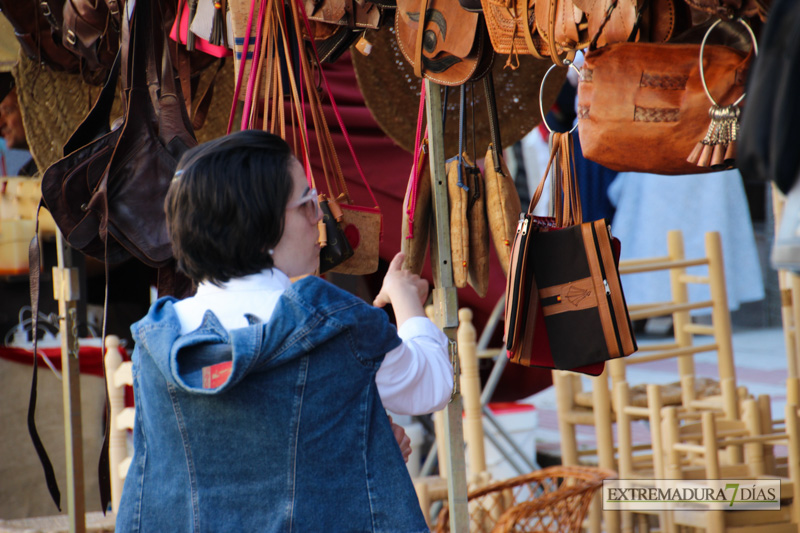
<point>406,291</point>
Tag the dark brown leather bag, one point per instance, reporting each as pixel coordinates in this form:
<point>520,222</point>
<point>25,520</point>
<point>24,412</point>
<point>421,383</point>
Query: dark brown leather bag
<point>68,184</point>
<point>107,196</point>
<point>91,32</point>
<point>642,107</point>
<point>565,307</point>
<point>37,26</point>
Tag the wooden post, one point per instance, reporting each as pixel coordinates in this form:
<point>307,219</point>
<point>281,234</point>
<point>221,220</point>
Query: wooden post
<point>445,304</point>
<point>66,290</point>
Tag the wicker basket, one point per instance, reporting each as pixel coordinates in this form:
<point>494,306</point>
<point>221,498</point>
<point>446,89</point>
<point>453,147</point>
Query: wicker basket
<point>554,499</point>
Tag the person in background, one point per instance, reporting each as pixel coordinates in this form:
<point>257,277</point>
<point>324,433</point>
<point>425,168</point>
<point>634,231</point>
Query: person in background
<point>11,128</point>
<point>260,401</point>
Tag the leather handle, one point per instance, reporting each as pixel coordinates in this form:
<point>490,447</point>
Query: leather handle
<point>97,122</point>
<point>494,123</point>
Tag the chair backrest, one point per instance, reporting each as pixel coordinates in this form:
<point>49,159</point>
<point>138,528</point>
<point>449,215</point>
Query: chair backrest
<point>683,348</point>
<point>119,375</point>
<point>698,450</point>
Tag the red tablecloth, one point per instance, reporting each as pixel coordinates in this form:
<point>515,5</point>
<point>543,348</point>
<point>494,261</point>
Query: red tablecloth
<point>90,358</point>
<point>90,361</point>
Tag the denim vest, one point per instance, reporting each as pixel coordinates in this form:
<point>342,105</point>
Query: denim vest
<point>296,439</point>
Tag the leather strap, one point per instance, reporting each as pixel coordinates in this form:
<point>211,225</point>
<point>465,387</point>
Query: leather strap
<point>423,12</point>
<point>551,37</point>
<point>201,111</point>
<point>462,112</point>
<point>255,68</point>
<point>34,265</point>
<point>242,65</point>
<point>526,30</point>
<point>416,171</point>
<point>566,199</point>
<point>338,115</point>
<point>494,123</point>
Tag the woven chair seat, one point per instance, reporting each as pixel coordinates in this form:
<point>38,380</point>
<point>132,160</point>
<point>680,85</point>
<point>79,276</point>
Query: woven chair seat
<point>670,393</point>
<point>554,499</point>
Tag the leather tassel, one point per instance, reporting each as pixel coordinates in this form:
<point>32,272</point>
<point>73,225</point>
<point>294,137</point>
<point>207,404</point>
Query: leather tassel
<point>730,153</point>
<point>705,155</point>
<point>694,157</point>
<point>718,155</point>
<point>717,149</point>
<point>219,32</point>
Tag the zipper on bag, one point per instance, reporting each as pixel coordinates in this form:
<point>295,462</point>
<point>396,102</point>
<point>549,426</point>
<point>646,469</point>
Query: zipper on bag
<point>608,291</point>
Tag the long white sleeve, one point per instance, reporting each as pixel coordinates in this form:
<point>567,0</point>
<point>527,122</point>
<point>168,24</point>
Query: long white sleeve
<point>416,377</point>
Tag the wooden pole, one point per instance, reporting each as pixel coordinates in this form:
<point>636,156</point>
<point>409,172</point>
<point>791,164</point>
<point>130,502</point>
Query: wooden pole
<point>66,290</point>
<point>445,303</point>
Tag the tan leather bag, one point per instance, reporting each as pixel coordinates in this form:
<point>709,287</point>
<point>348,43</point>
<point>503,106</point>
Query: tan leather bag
<point>478,267</point>
<point>449,48</point>
<point>459,224</point>
<point>503,206</point>
<point>546,28</point>
<point>642,107</point>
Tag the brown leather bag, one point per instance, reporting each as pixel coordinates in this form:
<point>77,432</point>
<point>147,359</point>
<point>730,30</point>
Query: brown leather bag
<point>564,305</point>
<point>545,28</point>
<point>107,196</point>
<point>642,107</point>
<point>37,27</point>
<point>450,48</point>
<point>91,32</point>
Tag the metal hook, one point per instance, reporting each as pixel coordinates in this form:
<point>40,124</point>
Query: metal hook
<point>567,63</point>
<point>702,47</point>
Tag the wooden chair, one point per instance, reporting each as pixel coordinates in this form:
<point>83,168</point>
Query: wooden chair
<point>612,400</point>
<point>118,375</point>
<point>700,450</point>
<point>433,488</point>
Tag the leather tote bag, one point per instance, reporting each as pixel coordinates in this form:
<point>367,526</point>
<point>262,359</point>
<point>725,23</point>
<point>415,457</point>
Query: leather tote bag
<point>565,307</point>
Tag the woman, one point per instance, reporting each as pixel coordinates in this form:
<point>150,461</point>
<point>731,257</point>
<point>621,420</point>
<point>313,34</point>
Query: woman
<point>260,402</point>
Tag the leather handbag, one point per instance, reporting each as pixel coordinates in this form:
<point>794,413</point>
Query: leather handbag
<point>503,205</point>
<point>633,96</point>
<point>69,183</point>
<point>552,28</point>
<point>130,196</point>
<point>91,31</point>
<point>565,307</point>
<point>334,246</point>
<point>450,47</point>
<point>37,27</point>
<point>459,224</point>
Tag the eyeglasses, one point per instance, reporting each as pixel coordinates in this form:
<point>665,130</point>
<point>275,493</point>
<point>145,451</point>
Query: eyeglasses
<point>309,204</point>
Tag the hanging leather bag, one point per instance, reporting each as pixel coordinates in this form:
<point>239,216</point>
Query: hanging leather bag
<point>449,46</point>
<point>565,307</point>
<point>69,183</point>
<point>108,201</point>
<point>642,107</point>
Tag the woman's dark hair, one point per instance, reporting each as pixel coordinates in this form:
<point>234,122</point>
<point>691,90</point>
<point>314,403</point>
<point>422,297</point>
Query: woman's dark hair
<point>225,207</point>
